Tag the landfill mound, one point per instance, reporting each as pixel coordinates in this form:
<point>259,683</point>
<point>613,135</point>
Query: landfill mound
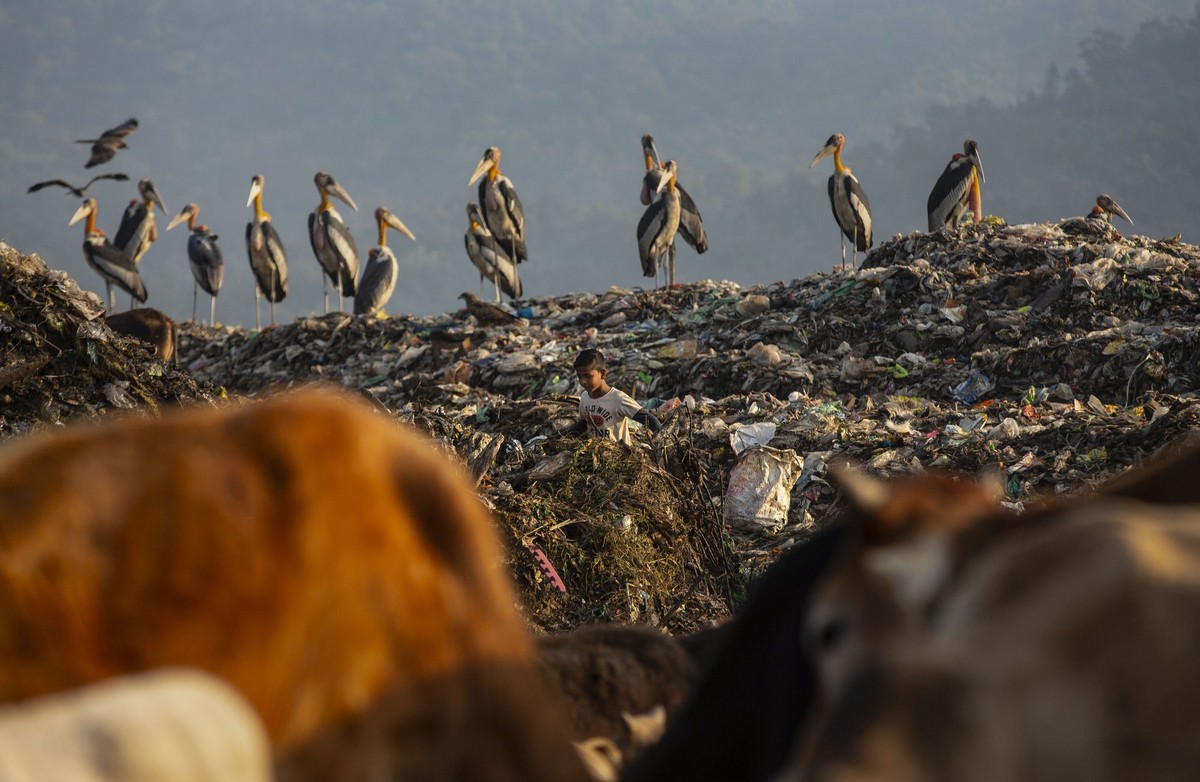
<point>59,361</point>
<point>1054,355</point>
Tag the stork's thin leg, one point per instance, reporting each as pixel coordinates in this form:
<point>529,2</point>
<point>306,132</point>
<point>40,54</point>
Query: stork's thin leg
<point>843,243</point>
<point>112,297</point>
<point>195,295</point>
<point>854,250</point>
<point>672,265</point>
<point>516,267</point>
<point>496,281</point>
<point>257,317</point>
<point>212,311</point>
<point>325,291</point>
<point>272,312</point>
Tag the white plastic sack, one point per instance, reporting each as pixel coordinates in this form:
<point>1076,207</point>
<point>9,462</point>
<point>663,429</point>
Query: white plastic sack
<point>744,436</point>
<point>760,488</point>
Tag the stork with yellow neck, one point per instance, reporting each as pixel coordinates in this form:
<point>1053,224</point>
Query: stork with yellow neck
<point>502,210</point>
<point>851,209</point>
<point>113,265</point>
<point>331,240</point>
<point>268,259</point>
<point>957,189</point>
<point>489,256</point>
<point>382,270</point>
<point>204,258</point>
<point>659,224</point>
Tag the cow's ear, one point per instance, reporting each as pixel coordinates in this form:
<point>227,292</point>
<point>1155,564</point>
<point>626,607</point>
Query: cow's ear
<point>647,728</point>
<point>866,494</point>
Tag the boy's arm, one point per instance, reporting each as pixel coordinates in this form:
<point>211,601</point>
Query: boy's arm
<point>647,419</point>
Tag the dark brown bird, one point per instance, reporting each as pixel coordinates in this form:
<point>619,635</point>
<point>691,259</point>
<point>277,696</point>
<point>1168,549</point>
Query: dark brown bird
<point>486,314</point>
<point>79,192</point>
<point>110,141</point>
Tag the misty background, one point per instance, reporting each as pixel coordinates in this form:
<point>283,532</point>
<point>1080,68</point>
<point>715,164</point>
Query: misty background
<point>398,100</point>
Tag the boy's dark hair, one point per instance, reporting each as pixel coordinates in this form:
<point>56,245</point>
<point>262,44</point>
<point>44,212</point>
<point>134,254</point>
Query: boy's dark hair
<point>590,359</point>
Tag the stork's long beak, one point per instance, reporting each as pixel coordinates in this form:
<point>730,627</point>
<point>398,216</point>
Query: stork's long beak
<point>825,152</point>
<point>663,182</point>
<point>256,186</point>
<point>650,152</point>
<point>179,218</point>
<point>152,194</point>
<point>83,211</point>
<point>398,224</point>
<point>1117,210</point>
<point>485,164</point>
<point>336,190</point>
<point>979,165</point>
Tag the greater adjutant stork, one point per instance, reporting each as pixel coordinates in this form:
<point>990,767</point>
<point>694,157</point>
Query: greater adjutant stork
<point>489,256</point>
<point>204,258</point>
<point>379,277</point>
<point>851,208</point>
<point>957,189</point>
<point>1105,208</point>
<point>113,265</point>
<point>138,229</point>
<point>331,240</point>
<point>268,259</point>
<point>691,225</point>
<point>656,230</point>
<point>502,210</point>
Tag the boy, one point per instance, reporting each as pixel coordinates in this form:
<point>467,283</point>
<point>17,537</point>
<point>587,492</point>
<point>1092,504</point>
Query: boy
<point>605,411</point>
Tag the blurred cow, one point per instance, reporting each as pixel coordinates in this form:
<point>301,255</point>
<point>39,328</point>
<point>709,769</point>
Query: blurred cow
<point>323,560</point>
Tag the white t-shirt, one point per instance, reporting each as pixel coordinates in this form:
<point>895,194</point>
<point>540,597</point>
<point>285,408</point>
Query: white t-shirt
<point>608,416</point>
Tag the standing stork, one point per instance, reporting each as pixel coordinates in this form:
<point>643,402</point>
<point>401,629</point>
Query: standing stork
<point>489,256</point>
<point>138,230</point>
<point>331,240</point>
<point>502,210</point>
<point>851,209</point>
<point>204,257</point>
<point>691,225</point>
<point>957,189</point>
<point>382,270</point>
<point>659,224</point>
<point>268,259</point>
<point>113,265</point>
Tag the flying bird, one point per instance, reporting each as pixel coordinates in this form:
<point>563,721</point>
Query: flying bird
<point>691,225</point>
<point>78,192</point>
<point>331,240</point>
<point>110,141</point>
<point>658,226</point>
<point>851,208</point>
<point>268,259</point>
<point>490,256</point>
<point>502,210</point>
<point>485,313</point>
<point>138,230</point>
<point>957,189</point>
<point>382,270</point>
<point>1105,208</point>
<point>113,265</point>
<point>204,258</point>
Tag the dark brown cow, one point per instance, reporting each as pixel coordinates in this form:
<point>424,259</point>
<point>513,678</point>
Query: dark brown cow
<point>148,325</point>
<point>321,559</point>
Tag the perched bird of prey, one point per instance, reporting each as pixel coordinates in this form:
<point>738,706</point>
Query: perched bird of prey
<point>78,192</point>
<point>110,141</point>
<point>486,314</point>
<point>851,208</point>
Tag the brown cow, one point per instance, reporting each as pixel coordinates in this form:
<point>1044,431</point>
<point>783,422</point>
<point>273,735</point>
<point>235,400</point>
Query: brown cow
<point>323,560</point>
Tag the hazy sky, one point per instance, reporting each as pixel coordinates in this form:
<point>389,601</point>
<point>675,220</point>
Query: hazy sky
<point>398,101</point>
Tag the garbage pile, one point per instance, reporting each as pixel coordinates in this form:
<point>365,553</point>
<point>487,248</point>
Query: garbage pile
<point>1053,355</point>
<point>60,362</point>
